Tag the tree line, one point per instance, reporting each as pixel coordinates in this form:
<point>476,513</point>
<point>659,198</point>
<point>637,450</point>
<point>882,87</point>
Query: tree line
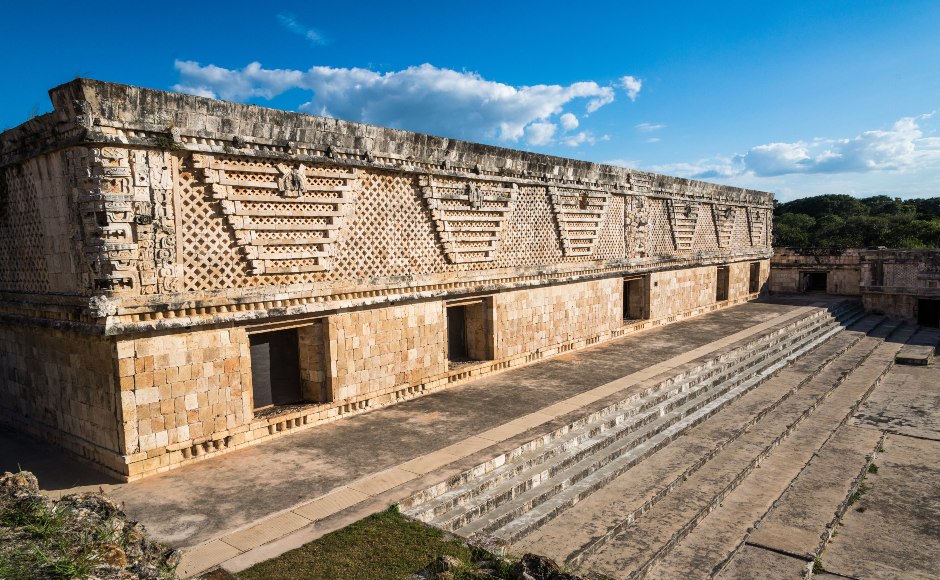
<point>843,221</point>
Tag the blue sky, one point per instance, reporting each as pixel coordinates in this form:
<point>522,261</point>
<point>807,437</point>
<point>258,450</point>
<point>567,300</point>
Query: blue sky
<point>798,98</point>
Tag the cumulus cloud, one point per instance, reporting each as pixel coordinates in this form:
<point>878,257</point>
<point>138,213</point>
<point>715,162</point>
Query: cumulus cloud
<point>568,121</point>
<point>421,98</point>
<point>291,23</point>
<point>540,133</point>
<point>632,85</point>
<point>901,148</point>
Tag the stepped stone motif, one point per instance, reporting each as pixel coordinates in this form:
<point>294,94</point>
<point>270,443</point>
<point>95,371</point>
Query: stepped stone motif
<point>724,216</point>
<point>578,213</point>
<point>286,217</point>
<point>244,272</point>
<point>468,217</point>
<point>683,216</point>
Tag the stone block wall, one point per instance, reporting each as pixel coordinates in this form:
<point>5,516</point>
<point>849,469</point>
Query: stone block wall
<point>62,387</point>
<point>529,320</point>
<point>182,389</point>
<point>377,349</point>
<point>165,229</point>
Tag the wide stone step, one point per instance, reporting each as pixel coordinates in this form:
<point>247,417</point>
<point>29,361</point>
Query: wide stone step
<point>513,493</point>
<point>675,463</point>
<point>537,505</point>
<point>461,504</point>
<point>813,412</point>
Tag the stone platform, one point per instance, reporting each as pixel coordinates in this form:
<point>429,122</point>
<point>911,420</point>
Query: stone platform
<point>254,504</point>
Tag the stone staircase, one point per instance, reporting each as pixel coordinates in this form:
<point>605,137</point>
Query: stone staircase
<point>690,509</point>
<point>515,493</point>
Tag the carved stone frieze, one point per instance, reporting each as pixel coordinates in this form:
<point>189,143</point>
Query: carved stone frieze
<point>578,214</point>
<point>724,217</point>
<point>468,215</point>
<point>683,216</point>
<point>286,216</point>
<point>757,226</point>
<point>636,219</point>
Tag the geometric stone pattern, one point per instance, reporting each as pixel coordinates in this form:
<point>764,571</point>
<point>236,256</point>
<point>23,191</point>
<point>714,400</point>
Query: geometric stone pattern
<point>286,216</point>
<point>468,217</point>
<point>579,213</point>
<point>22,261</point>
<point>705,238</point>
<point>683,217</point>
<point>724,216</point>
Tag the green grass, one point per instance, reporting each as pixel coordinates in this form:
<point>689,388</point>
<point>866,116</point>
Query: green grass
<point>382,546</point>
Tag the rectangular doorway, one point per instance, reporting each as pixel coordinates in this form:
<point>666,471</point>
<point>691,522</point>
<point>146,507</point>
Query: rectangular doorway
<point>753,281</point>
<point>469,331</point>
<point>275,368</point>
<point>635,298</point>
<point>722,284</point>
<point>815,281</point>
<point>928,312</point>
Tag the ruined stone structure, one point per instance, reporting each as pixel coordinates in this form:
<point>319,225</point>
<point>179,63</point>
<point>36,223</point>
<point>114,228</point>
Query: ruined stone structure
<point>182,276</point>
<point>901,283</point>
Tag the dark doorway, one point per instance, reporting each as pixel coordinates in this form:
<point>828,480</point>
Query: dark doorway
<point>469,331</point>
<point>275,368</point>
<point>457,334</point>
<point>724,280</point>
<point>753,285</point>
<point>635,299</point>
<point>815,281</point>
<point>928,312</point>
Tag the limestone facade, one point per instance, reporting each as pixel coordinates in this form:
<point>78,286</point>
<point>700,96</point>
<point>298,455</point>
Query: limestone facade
<point>900,283</point>
<point>169,263</point>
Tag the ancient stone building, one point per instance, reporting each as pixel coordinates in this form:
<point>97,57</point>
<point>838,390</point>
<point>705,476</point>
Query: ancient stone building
<point>901,283</point>
<point>182,276</point>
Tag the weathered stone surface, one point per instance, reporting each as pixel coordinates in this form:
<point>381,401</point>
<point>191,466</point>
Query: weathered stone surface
<point>165,229</point>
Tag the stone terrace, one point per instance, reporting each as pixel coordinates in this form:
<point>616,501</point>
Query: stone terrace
<point>452,429</point>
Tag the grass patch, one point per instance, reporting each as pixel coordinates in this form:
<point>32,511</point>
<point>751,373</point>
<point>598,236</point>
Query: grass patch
<point>78,536</point>
<point>818,566</point>
<point>859,492</point>
<point>872,468</point>
<point>381,546</point>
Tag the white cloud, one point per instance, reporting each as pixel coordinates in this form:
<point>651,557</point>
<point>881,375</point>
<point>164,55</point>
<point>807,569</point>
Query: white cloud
<point>901,148</point>
<point>649,127</point>
<point>632,85</point>
<point>540,133</point>
<point>234,85</point>
<point>419,98</point>
<point>312,35</point>
<point>568,121</point>
<point>897,149</point>
<point>581,138</point>
<point>653,140</point>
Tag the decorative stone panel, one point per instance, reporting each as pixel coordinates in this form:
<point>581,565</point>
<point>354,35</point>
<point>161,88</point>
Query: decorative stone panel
<point>578,213</point>
<point>683,216</point>
<point>286,216</point>
<point>724,216</point>
<point>468,216</point>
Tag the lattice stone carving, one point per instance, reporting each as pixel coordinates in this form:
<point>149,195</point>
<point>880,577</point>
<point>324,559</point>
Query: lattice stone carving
<point>705,238</point>
<point>756,226</point>
<point>578,213</point>
<point>661,237</point>
<point>468,216</point>
<point>286,216</point>
<point>683,216</point>
<point>636,219</point>
<point>724,216</point>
